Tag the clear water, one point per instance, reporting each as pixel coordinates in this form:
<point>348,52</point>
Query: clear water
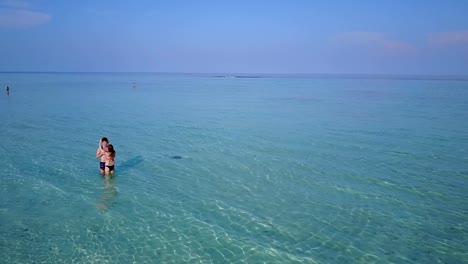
<point>275,170</point>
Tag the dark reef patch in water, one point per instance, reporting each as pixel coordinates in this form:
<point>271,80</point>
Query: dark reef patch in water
<point>247,76</point>
<point>237,76</point>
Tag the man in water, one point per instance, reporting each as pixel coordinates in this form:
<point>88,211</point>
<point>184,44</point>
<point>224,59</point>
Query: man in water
<point>100,153</point>
<point>8,90</point>
<point>134,85</point>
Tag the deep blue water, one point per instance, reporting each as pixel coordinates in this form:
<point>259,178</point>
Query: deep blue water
<point>275,170</point>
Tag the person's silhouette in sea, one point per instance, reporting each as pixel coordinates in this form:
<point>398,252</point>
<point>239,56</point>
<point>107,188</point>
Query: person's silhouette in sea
<point>110,156</point>
<point>101,153</point>
<point>8,90</point>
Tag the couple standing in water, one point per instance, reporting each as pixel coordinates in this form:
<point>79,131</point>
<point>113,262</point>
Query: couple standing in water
<point>107,154</point>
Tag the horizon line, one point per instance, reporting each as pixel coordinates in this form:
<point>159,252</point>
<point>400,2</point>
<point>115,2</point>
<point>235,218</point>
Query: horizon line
<point>409,76</point>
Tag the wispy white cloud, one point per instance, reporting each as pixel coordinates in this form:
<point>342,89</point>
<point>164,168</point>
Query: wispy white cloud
<point>374,40</point>
<point>14,4</point>
<point>22,18</point>
<point>449,38</point>
<point>17,14</point>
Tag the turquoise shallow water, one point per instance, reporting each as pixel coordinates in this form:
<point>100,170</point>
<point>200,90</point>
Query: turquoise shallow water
<point>275,170</point>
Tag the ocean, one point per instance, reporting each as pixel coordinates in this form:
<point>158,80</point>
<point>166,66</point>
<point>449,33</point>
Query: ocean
<point>225,169</point>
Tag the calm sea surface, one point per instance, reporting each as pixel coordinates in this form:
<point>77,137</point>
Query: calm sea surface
<point>233,170</point>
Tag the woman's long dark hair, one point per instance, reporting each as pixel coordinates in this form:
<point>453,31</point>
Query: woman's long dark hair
<point>110,148</point>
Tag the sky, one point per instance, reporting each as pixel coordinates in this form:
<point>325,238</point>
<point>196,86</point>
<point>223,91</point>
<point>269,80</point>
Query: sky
<point>288,36</point>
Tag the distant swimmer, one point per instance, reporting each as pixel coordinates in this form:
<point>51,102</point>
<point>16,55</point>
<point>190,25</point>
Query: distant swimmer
<point>134,85</point>
<point>8,90</point>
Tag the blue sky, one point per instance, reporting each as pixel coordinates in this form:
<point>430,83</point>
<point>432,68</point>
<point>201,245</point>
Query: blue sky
<point>380,37</point>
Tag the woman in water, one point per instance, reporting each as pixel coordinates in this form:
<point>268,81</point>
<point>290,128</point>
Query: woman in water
<point>110,156</point>
<point>100,153</point>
